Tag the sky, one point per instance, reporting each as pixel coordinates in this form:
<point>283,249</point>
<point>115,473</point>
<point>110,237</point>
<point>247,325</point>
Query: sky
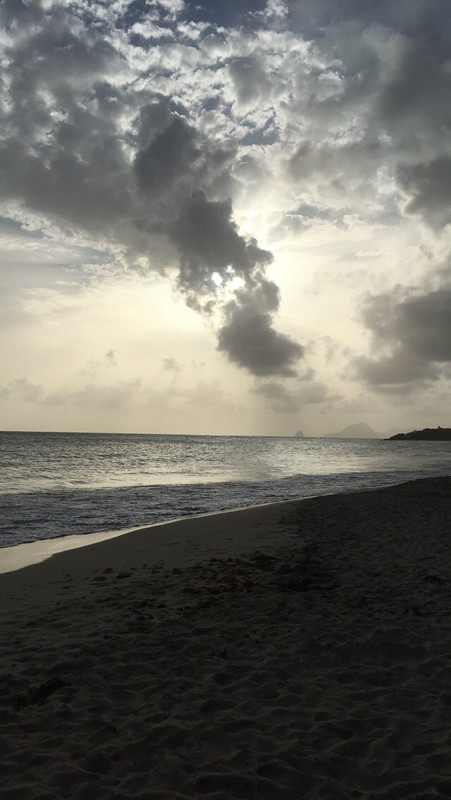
<point>225,217</point>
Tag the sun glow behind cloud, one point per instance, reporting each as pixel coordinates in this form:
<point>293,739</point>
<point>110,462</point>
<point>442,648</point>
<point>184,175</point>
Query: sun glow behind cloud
<point>240,192</point>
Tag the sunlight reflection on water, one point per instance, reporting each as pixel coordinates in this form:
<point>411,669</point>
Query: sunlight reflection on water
<point>59,484</point>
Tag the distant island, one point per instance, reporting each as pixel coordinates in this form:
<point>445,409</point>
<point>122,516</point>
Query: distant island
<point>427,434</point>
<point>359,430</point>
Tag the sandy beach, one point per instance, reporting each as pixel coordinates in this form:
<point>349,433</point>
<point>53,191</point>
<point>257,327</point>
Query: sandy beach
<point>298,650</point>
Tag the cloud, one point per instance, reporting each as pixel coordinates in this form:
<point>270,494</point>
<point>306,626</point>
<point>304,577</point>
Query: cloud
<point>132,125</point>
<point>285,401</point>
<point>94,366</point>
<point>250,341</point>
<point>124,395</point>
<point>399,373</point>
<point>172,154</point>
<point>59,153</point>
<point>416,82</point>
<point>250,79</point>
<point>108,397</point>
<point>207,394</point>
<point>413,336</point>
<point>278,397</point>
<point>110,356</point>
<point>213,252</point>
<point>314,16</point>
<point>371,94</point>
<point>99,151</point>
<point>429,186</point>
<point>23,390</point>
<point>121,395</point>
<point>211,248</point>
<point>275,11</point>
<point>171,365</point>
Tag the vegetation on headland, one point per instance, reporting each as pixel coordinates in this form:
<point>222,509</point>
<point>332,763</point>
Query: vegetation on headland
<point>427,434</point>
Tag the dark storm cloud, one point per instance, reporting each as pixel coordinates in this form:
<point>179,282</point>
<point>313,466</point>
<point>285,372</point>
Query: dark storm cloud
<point>407,16</point>
<point>381,88</point>
<point>413,108</point>
<point>97,145</point>
<point>209,244</point>
<point>413,336</point>
<point>423,324</point>
<point>429,186</point>
<point>59,150</point>
<point>250,341</point>
<point>171,155</point>
<point>78,190</point>
<point>85,149</point>
<point>418,90</point>
<point>211,251</point>
<point>399,373</point>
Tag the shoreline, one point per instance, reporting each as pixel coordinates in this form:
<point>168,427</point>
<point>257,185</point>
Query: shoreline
<point>28,554</point>
<point>298,649</point>
<point>25,554</point>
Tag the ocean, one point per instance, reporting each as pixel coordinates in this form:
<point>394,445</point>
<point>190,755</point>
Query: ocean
<point>58,484</point>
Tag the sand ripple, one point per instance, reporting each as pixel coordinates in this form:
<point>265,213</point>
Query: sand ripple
<point>317,668</point>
